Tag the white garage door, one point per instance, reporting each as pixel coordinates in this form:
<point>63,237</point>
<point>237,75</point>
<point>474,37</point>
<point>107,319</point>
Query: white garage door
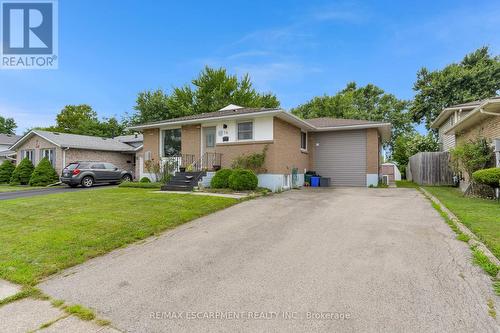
<point>342,157</point>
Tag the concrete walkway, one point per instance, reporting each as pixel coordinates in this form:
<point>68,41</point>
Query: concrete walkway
<point>310,260</point>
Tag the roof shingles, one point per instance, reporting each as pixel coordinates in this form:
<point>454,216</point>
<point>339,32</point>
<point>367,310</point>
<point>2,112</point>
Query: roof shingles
<point>84,141</point>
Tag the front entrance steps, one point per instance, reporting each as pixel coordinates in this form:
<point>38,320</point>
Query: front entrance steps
<point>183,181</point>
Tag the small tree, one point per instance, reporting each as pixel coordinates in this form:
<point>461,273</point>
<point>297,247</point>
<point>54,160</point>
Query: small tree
<point>22,173</point>
<point>471,156</point>
<point>44,174</point>
<point>6,170</point>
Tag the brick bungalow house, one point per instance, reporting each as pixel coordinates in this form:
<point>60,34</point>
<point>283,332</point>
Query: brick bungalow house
<point>62,149</point>
<point>347,151</point>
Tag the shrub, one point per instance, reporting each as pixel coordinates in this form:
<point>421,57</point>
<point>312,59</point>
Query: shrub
<point>44,174</point>
<point>254,162</point>
<point>243,180</point>
<point>6,170</point>
<point>489,177</point>
<point>22,173</point>
<point>145,180</point>
<point>471,156</point>
<point>221,178</point>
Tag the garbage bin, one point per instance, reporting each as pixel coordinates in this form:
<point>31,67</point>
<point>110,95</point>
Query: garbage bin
<point>315,181</point>
<point>307,179</point>
<point>324,182</point>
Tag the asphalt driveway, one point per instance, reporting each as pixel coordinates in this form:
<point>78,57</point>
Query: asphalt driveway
<point>325,260</point>
<point>45,191</point>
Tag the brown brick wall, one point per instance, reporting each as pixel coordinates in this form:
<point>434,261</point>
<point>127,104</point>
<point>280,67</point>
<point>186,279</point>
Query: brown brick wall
<point>489,128</point>
<point>152,142</point>
<point>121,160</point>
<point>191,140</point>
<point>372,151</point>
<point>283,152</point>
<point>287,152</point>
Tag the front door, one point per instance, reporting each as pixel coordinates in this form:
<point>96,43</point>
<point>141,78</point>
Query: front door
<point>208,147</point>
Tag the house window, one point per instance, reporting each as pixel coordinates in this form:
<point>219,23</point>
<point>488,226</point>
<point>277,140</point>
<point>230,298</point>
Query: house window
<point>172,142</point>
<point>29,154</point>
<point>210,140</point>
<point>303,140</point>
<point>245,131</point>
<point>50,154</point>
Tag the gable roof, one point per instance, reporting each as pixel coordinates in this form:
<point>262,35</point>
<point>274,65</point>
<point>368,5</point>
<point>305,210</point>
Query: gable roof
<point>446,112</point>
<point>488,108</point>
<point>8,139</point>
<point>65,140</point>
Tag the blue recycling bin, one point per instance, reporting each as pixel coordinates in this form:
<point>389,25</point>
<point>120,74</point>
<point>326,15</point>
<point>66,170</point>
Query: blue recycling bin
<point>315,181</point>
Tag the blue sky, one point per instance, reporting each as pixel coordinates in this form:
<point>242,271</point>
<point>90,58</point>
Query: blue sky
<point>110,50</point>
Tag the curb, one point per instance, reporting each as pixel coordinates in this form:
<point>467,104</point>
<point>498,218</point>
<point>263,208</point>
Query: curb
<point>473,241</point>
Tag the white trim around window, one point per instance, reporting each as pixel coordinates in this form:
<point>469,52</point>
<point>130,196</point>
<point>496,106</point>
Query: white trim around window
<point>246,131</point>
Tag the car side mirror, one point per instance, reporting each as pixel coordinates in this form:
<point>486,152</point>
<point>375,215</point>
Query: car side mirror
<point>116,169</point>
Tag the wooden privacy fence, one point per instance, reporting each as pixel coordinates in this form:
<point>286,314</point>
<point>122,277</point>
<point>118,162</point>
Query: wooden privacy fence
<point>430,168</point>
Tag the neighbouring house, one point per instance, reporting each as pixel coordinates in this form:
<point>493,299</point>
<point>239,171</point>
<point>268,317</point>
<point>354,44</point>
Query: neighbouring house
<point>6,141</point>
<point>347,151</point>
<point>462,122</point>
<point>392,172</point>
<point>135,140</point>
<point>62,149</point>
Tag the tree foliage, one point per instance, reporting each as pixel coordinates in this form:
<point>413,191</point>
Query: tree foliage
<point>212,90</point>
<point>471,156</point>
<point>409,144</point>
<point>22,173</point>
<point>6,170</point>
<point>366,103</point>
<point>82,119</point>
<point>44,174</point>
<point>7,125</point>
<point>476,77</point>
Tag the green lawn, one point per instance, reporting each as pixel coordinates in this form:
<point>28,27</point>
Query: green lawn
<point>8,188</point>
<point>481,216</point>
<point>406,184</point>
<point>42,235</point>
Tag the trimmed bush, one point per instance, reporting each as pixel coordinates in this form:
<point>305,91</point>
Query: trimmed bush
<point>221,178</point>
<point>44,174</point>
<point>6,170</point>
<point>241,180</point>
<point>489,177</point>
<point>22,173</point>
<point>145,180</point>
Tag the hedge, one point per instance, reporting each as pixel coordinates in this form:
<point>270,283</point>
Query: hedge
<point>22,173</point>
<point>489,177</point>
<point>44,174</point>
<point>6,170</point>
<point>145,180</point>
<point>242,179</point>
<point>221,178</point>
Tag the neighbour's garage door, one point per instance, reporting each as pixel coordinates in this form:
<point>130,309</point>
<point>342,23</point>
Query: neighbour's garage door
<point>342,157</point>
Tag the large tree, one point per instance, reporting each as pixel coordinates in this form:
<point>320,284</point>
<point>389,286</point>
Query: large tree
<point>210,91</point>
<point>82,119</point>
<point>367,103</point>
<point>7,125</point>
<point>476,77</point>
<point>408,144</point>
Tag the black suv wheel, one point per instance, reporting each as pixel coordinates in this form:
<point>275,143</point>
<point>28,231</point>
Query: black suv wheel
<point>87,181</point>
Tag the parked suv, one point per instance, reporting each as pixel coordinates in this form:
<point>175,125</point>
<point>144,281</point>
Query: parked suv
<point>88,173</point>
